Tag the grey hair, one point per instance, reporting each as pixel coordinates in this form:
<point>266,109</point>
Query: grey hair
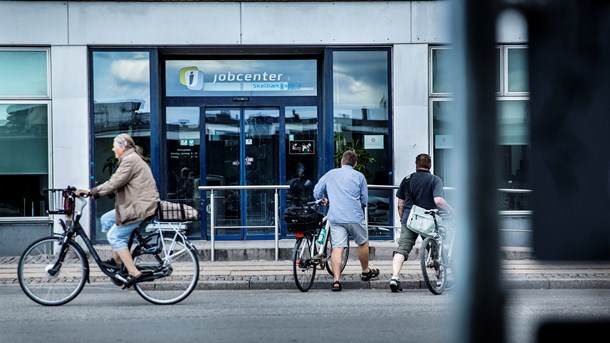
<point>125,140</point>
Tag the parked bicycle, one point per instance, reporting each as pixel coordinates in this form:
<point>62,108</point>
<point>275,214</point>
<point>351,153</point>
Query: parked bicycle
<point>435,254</point>
<point>310,227</point>
<point>53,270</point>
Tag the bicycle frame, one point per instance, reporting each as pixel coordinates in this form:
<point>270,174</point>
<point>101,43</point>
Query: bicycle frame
<point>175,230</point>
<point>73,229</point>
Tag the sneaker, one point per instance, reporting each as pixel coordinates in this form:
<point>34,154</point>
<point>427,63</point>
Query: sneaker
<point>395,285</point>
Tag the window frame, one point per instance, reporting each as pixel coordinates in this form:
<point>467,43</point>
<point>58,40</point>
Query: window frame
<point>49,147</point>
<point>35,100</point>
<point>502,95</point>
<point>431,92</point>
<point>504,70</point>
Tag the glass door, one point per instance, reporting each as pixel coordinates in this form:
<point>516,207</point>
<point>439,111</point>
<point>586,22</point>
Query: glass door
<point>242,148</point>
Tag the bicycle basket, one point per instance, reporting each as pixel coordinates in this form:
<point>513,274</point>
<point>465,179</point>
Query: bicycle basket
<point>60,201</point>
<point>302,219</point>
<point>178,210</point>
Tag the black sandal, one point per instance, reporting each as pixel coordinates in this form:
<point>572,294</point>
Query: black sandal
<point>336,286</point>
<point>372,273</point>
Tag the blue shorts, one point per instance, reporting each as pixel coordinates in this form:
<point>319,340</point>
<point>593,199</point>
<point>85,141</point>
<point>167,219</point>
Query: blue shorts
<point>118,236</point>
<point>339,234</point>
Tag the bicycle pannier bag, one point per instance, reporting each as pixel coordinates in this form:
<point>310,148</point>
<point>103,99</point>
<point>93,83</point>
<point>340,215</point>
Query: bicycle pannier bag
<point>420,222</point>
<point>302,219</point>
<point>176,212</point>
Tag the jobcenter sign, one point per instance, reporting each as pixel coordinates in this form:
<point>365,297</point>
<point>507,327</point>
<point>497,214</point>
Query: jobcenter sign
<point>204,77</point>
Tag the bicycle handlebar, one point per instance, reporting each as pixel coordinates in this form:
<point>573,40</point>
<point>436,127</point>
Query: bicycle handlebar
<point>61,200</point>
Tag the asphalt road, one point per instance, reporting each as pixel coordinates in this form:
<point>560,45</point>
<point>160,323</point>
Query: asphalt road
<point>107,314</point>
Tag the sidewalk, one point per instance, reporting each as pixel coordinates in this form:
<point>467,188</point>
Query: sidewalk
<point>519,270</point>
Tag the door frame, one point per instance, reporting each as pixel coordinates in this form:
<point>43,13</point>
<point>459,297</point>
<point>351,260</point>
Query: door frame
<point>231,102</point>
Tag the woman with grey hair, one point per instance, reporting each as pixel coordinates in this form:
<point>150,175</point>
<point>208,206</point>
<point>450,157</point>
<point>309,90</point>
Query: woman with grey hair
<point>136,199</point>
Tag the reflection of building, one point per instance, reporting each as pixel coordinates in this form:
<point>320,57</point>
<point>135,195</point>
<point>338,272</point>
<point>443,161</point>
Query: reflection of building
<point>115,117</point>
<point>25,120</point>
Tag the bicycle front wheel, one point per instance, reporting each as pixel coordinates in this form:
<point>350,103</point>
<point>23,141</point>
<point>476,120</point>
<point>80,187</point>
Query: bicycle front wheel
<point>175,273</point>
<point>47,285</point>
<point>329,267</point>
<point>303,265</point>
<point>433,266</point>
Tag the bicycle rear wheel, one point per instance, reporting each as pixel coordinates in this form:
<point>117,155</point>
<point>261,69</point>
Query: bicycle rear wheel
<point>303,266</point>
<point>175,272</point>
<point>329,267</point>
<point>48,286</point>
<point>433,266</point>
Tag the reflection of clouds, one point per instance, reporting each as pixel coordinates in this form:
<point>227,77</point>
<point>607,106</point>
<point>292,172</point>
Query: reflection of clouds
<point>360,78</point>
<point>130,70</point>
<point>121,76</point>
<point>350,90</point>
<point>124,79</point>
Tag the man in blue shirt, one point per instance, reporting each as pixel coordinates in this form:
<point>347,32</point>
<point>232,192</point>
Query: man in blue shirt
<point>346,190</point>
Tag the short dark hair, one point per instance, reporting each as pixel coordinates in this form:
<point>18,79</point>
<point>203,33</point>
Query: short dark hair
<point>423,161</point>
<point>349,158</point>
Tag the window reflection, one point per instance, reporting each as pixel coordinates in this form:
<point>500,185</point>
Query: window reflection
<point>223,166</point>
<point>301,161</point>
<point>441,68</point>
<point>517,70</point>
<point>513,130</point>
<point>360,96</point>
<point>121,104</point>
<point>23,159</point>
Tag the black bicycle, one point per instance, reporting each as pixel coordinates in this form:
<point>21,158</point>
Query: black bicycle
<point>310,227</point>
<point>435,255</point>
<point>53,270</point>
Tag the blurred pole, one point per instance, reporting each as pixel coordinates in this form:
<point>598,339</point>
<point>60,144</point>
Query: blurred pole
<point>479,298</point>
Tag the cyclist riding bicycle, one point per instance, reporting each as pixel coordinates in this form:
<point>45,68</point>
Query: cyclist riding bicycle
<point>137,199</point>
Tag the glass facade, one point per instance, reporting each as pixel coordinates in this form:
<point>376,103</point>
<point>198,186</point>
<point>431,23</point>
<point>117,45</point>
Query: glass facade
<point>121,104</point>
<point>24,130</point>
<point>513,126</point>
<point>361,91</point>
<point>270,135</point>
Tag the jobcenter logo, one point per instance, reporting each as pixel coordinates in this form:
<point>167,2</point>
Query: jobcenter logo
<point>192,78</point>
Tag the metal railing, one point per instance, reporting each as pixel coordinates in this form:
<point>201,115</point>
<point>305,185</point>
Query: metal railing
<point>276,222</point>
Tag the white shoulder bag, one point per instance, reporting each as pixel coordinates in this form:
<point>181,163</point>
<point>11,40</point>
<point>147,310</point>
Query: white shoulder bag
<point>420,222</point>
